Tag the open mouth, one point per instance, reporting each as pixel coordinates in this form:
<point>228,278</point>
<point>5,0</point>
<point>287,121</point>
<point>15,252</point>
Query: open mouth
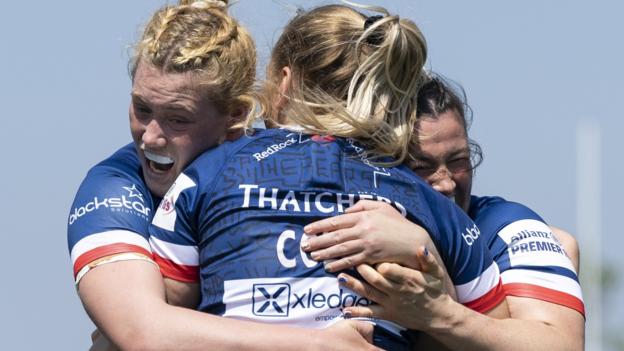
<point>158,163</point>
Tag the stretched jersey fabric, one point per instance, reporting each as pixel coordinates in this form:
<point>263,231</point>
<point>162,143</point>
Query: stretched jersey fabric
<point>111,211</point>
<point>531,259</point>
<point>235,217</point>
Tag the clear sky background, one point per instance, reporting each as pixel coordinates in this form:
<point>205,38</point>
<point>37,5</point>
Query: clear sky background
<point>533,70</point>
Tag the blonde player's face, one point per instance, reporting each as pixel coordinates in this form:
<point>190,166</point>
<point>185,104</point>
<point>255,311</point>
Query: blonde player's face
<point>443,156</point>
<point>171,124</point>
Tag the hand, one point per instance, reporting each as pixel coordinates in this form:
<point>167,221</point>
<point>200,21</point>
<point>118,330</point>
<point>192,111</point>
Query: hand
<point>414,299</point>
<point>369,232</point>
<point>101,342</point>
<point>347,335</point>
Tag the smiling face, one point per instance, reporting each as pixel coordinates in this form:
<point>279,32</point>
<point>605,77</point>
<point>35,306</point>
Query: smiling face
<point>171,124</point>
<point>442,156</point>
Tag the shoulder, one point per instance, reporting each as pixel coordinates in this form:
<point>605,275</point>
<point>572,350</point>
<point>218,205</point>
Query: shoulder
<point>111,211</point>
<point>113,188</point>
<point>494,213</point>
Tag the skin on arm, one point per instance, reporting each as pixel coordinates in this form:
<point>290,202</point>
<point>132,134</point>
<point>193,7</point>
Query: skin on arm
<point>534,324</point>
<point>416,300</point>
<point>570,245</point>
<point>126,300</point>
<point>359,236</point>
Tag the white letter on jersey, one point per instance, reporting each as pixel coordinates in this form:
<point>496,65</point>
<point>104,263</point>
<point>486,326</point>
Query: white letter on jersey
<point>272,199</point>
<point>286,262</point>
<point>292,262</point>
<point>247,188</point>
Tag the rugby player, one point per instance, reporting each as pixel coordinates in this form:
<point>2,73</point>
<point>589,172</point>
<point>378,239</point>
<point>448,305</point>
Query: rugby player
<point>343,88</point>
<point>543,293</point>
<point>192,81</point>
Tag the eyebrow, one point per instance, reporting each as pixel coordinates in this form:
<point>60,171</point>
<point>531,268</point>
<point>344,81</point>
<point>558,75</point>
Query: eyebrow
<point>174,106</point>
<point>426,157</point>
<point>138,98</point>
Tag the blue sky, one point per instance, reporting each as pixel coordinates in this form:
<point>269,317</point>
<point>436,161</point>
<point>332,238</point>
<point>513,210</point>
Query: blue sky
<point>533,70</point>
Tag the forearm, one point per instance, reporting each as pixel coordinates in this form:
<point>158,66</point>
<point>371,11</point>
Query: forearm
<point>126,301</point>
<point>461,328</point>
<point>183,329</point>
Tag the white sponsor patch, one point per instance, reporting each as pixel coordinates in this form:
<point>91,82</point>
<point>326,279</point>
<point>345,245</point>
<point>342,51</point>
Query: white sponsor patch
<point>531,243</point>
<point>303,302</point>
<point>165,216</point>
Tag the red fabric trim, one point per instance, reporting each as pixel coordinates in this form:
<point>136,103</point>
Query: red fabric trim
<point>489,300</point>
<point>107,250</point>
<point>545,294</point>
<point>175,271</point>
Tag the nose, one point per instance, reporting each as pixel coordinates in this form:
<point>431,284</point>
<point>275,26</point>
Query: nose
<point>153,137</point>
<point>443,182</point>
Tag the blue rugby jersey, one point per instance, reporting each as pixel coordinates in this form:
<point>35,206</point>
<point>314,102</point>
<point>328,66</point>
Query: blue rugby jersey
<point>111,211</point>
<point>531,259</point>
<point>234,220</point>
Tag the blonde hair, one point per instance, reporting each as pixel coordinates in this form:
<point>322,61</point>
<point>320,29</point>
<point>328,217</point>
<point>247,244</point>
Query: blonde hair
<point>200,37</point>
<point>350,79</point>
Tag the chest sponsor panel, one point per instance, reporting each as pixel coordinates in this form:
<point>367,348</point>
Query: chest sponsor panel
<point>302,302</point>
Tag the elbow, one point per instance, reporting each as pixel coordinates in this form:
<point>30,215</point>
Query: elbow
<point>139,338</point>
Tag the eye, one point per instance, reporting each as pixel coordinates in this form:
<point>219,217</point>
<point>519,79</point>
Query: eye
<point>178,123</point>
<point>423,169</point>
<point>459,164</point>
<point>141,111</point>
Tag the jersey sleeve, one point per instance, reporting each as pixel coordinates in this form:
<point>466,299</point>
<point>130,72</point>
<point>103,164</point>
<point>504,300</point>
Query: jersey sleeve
<point>469,263</point>
<point>173,234</point>
<point>109,216</point>
<point>532,260</point>
<point>475,274</point>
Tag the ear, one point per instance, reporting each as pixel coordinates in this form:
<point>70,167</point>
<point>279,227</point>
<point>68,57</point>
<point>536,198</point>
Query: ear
<point>237,115</point>
<point>281,99</point>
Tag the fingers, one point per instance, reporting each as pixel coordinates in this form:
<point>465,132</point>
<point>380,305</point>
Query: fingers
<point>372,311</point>
<point>365,329</point>
<point>375,279</point>
<point>345,262</point>
<point>361,288</point>
<point>397,274</point>
<point>96,334</point>
<point>365,205</point>
<point>331,224</point>
<point>428,263</point>
<point>337,251</point>
<point>328,239</point>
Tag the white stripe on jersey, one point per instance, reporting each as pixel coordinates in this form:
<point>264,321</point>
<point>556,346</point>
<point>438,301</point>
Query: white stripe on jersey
<point>166,215</point>
<point>179,254</point>
<point>479,286</point>
<point>531,243</point>
<point>547,280</point>
<point>94,241</point>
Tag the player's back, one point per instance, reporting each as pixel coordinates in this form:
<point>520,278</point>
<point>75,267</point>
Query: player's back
<point>244,206</point>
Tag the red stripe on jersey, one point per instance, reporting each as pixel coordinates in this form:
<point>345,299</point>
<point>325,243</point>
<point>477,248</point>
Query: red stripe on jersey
<point>489,300</point>
<point>175,271</point>
<point>545,294</point>
<point>107,250</point>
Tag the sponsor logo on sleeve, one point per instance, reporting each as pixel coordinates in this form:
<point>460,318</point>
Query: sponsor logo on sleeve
<point>131,203</point>
<point>471,234</point>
